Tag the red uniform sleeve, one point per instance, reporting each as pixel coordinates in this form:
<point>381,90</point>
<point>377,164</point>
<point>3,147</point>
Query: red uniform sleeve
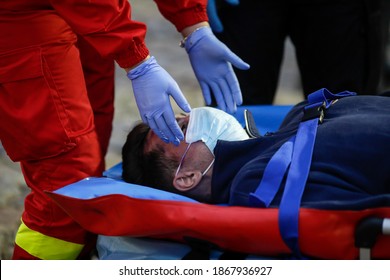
<point>183,13</point>
<point>107,26</point>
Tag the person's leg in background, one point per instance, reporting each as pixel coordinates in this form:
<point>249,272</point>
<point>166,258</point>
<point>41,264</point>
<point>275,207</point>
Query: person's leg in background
<point>256,32</point>
<point>99,76</point>
<point>46,124</point>
<point>338,44</point>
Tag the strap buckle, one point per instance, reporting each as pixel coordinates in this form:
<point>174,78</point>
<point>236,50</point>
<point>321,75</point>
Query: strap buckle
<point>313,112</point>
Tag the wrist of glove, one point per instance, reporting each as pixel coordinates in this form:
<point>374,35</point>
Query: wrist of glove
<point>189,41</point>
<point>143,68</point>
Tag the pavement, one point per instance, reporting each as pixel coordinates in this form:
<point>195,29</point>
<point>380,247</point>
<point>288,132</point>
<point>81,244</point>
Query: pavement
<point>163,42</point>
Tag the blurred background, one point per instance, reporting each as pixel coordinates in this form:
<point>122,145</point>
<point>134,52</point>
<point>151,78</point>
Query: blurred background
<point>163,42</point>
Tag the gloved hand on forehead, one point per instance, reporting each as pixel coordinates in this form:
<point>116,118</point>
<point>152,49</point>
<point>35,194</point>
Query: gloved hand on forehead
<point>212,62</point>
<point>212,13</point>
<point>152,87</point>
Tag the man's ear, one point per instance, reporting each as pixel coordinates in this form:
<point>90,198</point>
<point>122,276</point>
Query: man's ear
<point>186,180</point>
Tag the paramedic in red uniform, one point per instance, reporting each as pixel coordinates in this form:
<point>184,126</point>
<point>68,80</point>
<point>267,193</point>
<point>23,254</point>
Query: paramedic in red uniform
<point>46,118</point>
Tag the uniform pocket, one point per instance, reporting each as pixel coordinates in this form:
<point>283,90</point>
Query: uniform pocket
<point>31,120</point>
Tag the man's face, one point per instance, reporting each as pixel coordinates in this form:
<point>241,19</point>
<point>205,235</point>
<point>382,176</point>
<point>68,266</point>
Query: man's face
<point>194,162</point>
<point>171,151</point>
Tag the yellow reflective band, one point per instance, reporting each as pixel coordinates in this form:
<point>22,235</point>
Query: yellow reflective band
<point>46,247</point>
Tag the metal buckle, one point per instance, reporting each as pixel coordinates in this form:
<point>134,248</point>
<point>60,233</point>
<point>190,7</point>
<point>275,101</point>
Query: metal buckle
<point>314,112</point>
<point>321,109</point>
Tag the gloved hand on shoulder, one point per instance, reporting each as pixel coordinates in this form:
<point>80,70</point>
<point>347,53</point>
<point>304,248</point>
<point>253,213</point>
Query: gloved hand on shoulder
<point>212,62</point>
<point>152,86</point>
<point>212,13</point>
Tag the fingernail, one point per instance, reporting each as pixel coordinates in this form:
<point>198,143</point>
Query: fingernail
<point>176,142</point>
<point>180,137</point>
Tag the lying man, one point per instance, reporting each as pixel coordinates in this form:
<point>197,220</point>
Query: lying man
<point>218,163</point>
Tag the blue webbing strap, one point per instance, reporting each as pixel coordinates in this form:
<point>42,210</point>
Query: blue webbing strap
<point>295,184</point>
<point>295,157</point>
<point>324,95</point>
<point>273,175</point>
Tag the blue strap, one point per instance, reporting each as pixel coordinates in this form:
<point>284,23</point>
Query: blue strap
<point>295,184</point>
<point>323,95</point>
<point>293,157</point>
<point>273,176</point>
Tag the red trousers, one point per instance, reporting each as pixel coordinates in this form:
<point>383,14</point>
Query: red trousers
<point>99,74</point>
<point>46,124</point>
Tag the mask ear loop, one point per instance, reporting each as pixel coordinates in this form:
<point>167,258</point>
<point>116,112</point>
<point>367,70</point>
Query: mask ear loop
<point>182,158</point>
<point>207,169</point>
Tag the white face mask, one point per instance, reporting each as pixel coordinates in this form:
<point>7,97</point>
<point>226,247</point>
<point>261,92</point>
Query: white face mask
<point>208,125</point>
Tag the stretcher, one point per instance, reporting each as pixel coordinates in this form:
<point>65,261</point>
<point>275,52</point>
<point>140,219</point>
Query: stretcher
<point>137,222</point>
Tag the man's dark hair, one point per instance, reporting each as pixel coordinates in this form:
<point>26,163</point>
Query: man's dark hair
<point>152,169</point>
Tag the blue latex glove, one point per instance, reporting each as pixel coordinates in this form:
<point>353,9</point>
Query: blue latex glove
<point>214,21</point>
<point>152,86</point>
<point>212,63</point>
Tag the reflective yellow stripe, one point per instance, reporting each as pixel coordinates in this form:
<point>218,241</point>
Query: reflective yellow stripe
<point>46,247</point>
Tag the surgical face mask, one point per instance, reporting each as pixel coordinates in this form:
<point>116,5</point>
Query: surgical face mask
<point>209,125</point>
